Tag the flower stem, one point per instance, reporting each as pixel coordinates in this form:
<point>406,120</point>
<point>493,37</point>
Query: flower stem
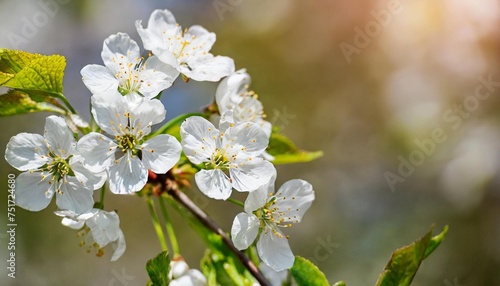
<point>156,224</point>
<point>169,227</point>
<point>236,202</point>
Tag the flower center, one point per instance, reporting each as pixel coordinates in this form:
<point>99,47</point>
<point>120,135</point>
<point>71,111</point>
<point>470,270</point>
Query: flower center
<point>219,160</point>
<point>129,76</point>
<point>127,142</point>
<point>59,168</point>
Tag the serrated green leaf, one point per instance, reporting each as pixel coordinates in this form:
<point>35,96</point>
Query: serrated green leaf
<point>158,269</point>
<point>406,260</point>
<point>18,102</point>
<point>306,273</point>
<point>26,71</point>
<point>285,151</point>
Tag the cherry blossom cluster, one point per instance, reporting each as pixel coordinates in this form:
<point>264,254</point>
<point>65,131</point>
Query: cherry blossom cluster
<point>229,150</point>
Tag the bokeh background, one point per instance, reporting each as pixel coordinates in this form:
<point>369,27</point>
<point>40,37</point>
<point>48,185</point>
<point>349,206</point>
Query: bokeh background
<point>367,82</point>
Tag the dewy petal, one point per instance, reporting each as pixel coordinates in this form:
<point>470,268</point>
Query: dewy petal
<point>230,89</point>
<point>59,137</point>
<point>156,77</point>
<point>27,151</point>
<point>293,199</point>
<point>98,78</point>
<point>214,184</point>
<point>119,48</point>
<point>97,150</point>
<point>198,139</point>
<point>258,198</point>
<point>244,230</point>
<point>74,196</point>
<point>32,193</point>
<point>161,153</point>
<point>207,67</point>
<point>274,250</point>
<point>109,109</point>
<point>128,175</point>
<point>250,176</point>
<point>146,114</point>
<point>247,137</point>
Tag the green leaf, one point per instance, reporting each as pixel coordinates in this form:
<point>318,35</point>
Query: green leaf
<point>158,269</point>
<point>340,283</point>
<point>18,102</point>
<point>284,150</point>
<point>26,71</point>
<point>306,273</point>
<point>406,260</point>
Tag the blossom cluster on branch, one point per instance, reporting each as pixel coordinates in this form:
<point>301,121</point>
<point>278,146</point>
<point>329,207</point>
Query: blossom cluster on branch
<point>227,148</point>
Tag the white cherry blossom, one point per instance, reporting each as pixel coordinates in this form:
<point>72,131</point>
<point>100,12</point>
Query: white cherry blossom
<point>187,51</point>
<point>100,228</point>
<point>181,275</point>
<point>125,70</point>
<point>265,213</point>
<point>239,104</point>
<point>52,167</point>
<point>128,155</point>
<point>231,158</point>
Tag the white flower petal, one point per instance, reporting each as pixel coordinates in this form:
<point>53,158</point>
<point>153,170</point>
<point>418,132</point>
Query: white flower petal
<point>198,139</point>
<point>73,224</point>
<point>276,278</point>
<point>200,39</point>
<point>156,77</point>
<point>247,137</point>
<point>110,111</point>
<point>178,268</point>
<point>258,198</point>
<point>230,90</point>
<point>214,184</point>
<point>244,230</point>
<point>59,137</point>
<point>74,196</point>
<point>32,193</point>
<point>160,35</point>
<point>207,67</point>
<point>97,150</point>
<point>119,246</point>
<point>146,114</point>
<point>128,175</point>
<point>92,180</point>
<point>119,48</point>
<point>161,153</point>
<point>98,78</point>
<point>274,250</point>
<point>105,227</point>
<point>294,198</point>
<point>197,277</point>
<point>27,151</point>
<point>250,176</point>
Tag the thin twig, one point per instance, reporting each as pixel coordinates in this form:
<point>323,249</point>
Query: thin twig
<point>212,225</point>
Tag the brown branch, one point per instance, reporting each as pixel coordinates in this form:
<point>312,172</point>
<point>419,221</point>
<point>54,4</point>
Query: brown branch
<point>212,225</point>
